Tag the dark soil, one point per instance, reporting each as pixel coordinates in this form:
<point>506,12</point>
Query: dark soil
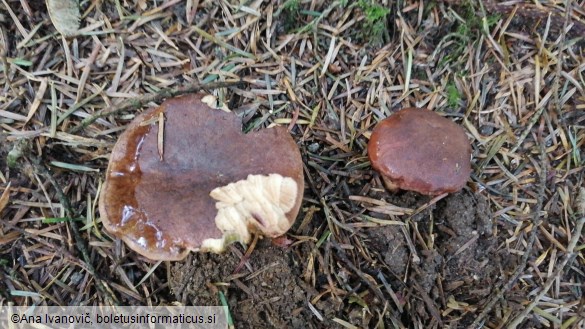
<point>459,268</point>
<point>268,294</point>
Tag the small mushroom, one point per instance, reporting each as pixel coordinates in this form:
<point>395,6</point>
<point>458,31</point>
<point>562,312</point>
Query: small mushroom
<point>419,150</point>
<point>184,177</point>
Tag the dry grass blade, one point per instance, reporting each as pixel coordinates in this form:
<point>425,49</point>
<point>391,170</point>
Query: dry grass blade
<point>535,221</point>
<point>561,266</point>
<point>145,99</point>
<point>5,197</point>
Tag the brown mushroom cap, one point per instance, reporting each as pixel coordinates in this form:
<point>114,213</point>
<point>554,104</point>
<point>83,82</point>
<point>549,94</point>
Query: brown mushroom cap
<point>214,184</point>
<point>419,150</point>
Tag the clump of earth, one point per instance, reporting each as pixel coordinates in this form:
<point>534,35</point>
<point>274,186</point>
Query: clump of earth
<point>267,294</point>
<point>461,264</point>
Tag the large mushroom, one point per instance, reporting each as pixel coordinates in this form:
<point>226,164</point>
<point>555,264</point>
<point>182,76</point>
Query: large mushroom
<point>419,150</point>
<point>183,177</point>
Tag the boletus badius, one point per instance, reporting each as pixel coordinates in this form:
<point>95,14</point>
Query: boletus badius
<point>419,150</point>
<point>184,177</point>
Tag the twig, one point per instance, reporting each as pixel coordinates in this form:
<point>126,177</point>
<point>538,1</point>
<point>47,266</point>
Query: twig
<point>138,102</point>
<point>499,293</point>
<point>343,257</point>
<point>432,308</point>
<point>79,242</point>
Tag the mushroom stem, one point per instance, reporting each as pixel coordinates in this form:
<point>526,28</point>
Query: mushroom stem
<point>390,185</point>
<point>282,241</point>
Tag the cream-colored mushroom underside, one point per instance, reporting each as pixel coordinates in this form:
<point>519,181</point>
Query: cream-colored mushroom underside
<point>257,204</point>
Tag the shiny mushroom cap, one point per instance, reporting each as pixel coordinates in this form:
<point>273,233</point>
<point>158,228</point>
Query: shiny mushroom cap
<point>183,177</point>
<point>419,150</point>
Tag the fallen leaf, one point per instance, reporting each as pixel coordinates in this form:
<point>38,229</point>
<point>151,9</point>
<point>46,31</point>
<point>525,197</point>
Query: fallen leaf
<point>64,15</point>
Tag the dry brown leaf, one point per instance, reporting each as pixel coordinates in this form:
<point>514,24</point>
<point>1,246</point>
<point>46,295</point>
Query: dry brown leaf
<point>64,15</point>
